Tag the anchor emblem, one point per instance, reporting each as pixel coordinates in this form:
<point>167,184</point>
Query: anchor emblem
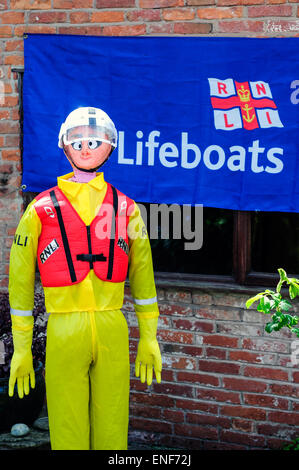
<point>247,117</point>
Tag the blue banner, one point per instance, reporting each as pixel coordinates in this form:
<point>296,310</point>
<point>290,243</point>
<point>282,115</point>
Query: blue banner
<point>210,120</point>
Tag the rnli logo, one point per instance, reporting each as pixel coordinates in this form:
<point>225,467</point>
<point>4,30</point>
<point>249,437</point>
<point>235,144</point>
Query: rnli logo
<point>247,105</point>
<point>48,251</point>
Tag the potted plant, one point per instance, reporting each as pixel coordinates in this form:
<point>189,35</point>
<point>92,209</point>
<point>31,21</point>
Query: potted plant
<point>272,302</point>
<point>13,409</point>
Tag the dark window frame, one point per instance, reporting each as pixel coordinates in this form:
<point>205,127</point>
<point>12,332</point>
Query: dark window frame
<point>242,267</point>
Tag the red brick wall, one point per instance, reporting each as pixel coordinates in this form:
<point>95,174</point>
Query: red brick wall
<point>226,383</point>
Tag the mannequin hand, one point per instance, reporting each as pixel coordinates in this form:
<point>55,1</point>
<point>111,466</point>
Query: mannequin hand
<point>148,357</point>
<point>148,353</point>
<point>21,369</point>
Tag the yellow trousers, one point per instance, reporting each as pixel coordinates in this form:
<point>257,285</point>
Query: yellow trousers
<point>88,380</point>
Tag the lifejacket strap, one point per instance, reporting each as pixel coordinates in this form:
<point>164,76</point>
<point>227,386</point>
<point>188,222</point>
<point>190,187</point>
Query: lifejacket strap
<point>113,233</point>
<point>90,258</point>
<point>64,236</point>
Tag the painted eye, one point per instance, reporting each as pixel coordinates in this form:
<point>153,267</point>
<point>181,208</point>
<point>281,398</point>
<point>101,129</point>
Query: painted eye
<point>77,145</point>
<point>94,144</point>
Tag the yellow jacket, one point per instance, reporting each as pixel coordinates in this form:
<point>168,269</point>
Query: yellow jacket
<point>92,293</point>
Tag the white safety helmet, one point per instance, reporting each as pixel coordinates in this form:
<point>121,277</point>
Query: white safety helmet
<point>100,127</point>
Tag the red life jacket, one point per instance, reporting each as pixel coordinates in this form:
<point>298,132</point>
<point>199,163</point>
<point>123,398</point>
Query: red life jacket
<point>68,249</point>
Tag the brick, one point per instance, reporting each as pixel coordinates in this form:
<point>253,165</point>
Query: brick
<point>145,411</point>
<point>197,405</point>
<point>107,17</point>
<point>199,298</point>
<point>173,389</point>
<point>192,28</point>
<point>144,15</point>
<point>48,17</point>
<point>216,353</point>
<point>198,378</point>
<point>244,412</point>
<point>200,2</point>
<point>240,26</point>
<point>224,299</point>
<point>11,155</point>
<point>175,336</point>
<point>152,399</point>
<point>181,14</point>
<point>4,114</point>
<point>210,14</point>
<point>81,30</point>
<point>115,3</point>
<point>14,60</point>
<point>193,325</point>
<point>150,425</point>
<point>12,141</point>
<point>218,395</point>
<point>12,17</point>
<point>239,2</point>
<point>243,438</point>
<point>160,28</point>
<point>78,17</point>
<point>34,29</point>
<point>135,30</point>
<point>265,401</point>
<point>219,340</point>
<point>5,31</point>
<point>244,425</point>
<point>246,356</point>
<point>216,313</point>
<point>296,377</point>
<point>204,432</point>
<point>233,383</point>
<point>30,4</point>
<point>201,418</point>
<point>179,296</point>
<point>14,45</point>
<point>171,309</point>
<point>70,4</point>
<point>8,127</point>
<point>175,362</point>
<point>284,390</point>
<point>270,10</point>
<point>262,344</point>
<point>238,329</point>
<point>218,367</point>
<point>284,417</point>
<point>266,373</point>
<point>193,351</point>
<point>281,26</point>
<point>276,430</point>
<point>160,3</point>
<point>173,415</point>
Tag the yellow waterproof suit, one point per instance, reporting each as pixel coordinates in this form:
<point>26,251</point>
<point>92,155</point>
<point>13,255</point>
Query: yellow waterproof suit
<point>87,353</point>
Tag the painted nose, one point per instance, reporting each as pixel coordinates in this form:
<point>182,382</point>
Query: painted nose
<point>85,149</point>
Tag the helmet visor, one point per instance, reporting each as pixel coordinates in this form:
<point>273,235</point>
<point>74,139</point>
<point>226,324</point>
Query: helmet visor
<point>79,133</point>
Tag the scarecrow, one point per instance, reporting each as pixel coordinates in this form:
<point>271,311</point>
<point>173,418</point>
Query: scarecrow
<point>86,237</point>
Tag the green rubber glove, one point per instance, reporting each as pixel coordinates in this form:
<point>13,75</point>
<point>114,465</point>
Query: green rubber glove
<point>148,353</point>
<point>21,367</point>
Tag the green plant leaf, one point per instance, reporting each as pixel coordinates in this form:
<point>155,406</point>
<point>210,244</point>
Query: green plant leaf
<point>293,290</point>
<point>250,301</point>
<point>285,305</point>
<point>283,274</point>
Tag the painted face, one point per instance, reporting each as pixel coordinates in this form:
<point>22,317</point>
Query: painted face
<point>85,151</point>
